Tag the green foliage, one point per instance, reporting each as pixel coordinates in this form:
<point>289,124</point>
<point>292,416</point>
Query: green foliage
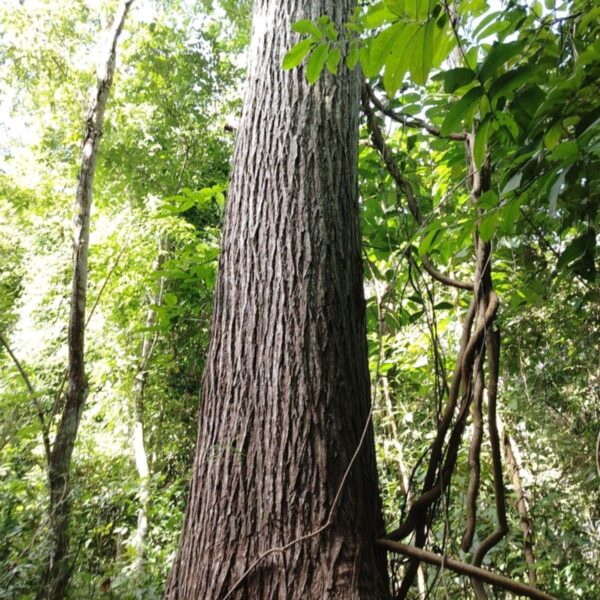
<point>520,83</point>
<point>159,189</point>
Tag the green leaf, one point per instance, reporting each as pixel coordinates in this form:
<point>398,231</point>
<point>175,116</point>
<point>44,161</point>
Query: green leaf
<point>505,119</point>
<point>296,54</point>
<point>510,213</point>
<point>553,135</point>
<point>456,78</point>
<point>495,27</point>
<point>460,110</point>
<point>170,299</point>
<point>576,249</point>
<point>565,150</point>
<point>507,83</point>
<point>316,62</point>
<point>427,241</point>
<point>381,46</point>
<point>488,200</point>
<point>513,183</point>
<point>378,15</point>
<point>307,27</point>
<point>589,17</point>
<point>481,139</point>
<point>333,60</point>
<point>498,55</point>
<point>398,63</point>
<point>444,306</point>
<point>396,6</point>
<point>486,20</point>
<point>487,226</point>
<point>353,56</point>
<point>422,57</point>
<point>555,191</point>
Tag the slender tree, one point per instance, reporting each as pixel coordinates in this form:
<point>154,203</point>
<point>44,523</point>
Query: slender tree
<point>274,509</point>
<point>140,450</point>
<point>58,572</point>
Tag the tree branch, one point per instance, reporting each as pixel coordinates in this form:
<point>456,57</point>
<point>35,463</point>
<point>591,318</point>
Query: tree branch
<point>30,389</point>
<point>403,184</point>
<point>409,121</point>
<point>461,568</point>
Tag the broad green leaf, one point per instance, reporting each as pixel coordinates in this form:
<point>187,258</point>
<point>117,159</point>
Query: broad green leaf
<point>480,143</point>
<point>297,54</point>
<point>565,150</point>
<point>381,46</point>
<point>513,183</point>
<point>498,55</point>
<point>333,60</point>
<point>422,57</point>
<point>378,15</point>
<point>398,7</point>
<point>553,135</point>
<point>508,82</point>
<point>424,8</point>
<point>460,109</point>
<point>353,56</point>
<point>444,41</point>
<point>486,21</point>
<point>427,241</point>
<point>316,62</point>
<point>590,16</point>
<point>331,32</point>
<point>495,27</point>
<point>576,249</point>
<point>555,191</point>
<point>307,27</point>
<point>398,63</point>
<point>510,212</point>
<point>488,200</point>
<point>170,299</point>
<point>444,306</point>
<point>487,226</point>
<point>456,78</point>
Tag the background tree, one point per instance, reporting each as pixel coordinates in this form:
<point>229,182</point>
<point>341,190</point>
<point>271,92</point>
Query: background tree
<point>59,461</point>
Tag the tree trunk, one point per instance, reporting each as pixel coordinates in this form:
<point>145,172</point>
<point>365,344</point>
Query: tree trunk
<point>139,445</point>
<point>59,570</point>
<point>513,460</point>
<point>286,387</point>
<point>402,471</point>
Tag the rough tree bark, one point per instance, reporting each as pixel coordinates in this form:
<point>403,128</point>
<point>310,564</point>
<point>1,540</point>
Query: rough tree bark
<point>286,387</point>
<point>58,570</point>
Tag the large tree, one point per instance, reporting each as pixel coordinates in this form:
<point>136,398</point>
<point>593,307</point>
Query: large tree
<point>285,410</point>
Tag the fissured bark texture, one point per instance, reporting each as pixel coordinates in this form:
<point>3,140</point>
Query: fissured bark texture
<point>286,388</point>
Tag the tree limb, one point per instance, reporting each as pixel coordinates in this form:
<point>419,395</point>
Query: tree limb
<point>409,121</point>
<point>482,574</point>
<point>403,184</point>
<point>30,389</point>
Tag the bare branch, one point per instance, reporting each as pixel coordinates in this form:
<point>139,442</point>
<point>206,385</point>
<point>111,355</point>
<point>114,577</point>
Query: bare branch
<point>461,568</point>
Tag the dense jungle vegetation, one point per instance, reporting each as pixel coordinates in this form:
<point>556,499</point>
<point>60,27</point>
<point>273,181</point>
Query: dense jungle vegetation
<point>181,188</point>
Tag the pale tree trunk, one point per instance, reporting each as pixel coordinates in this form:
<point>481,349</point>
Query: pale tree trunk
<point>286,386</point>
<point>139,445</point>
<point>513,460</point>
<point>403,471</point>
<point>59,569</point>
